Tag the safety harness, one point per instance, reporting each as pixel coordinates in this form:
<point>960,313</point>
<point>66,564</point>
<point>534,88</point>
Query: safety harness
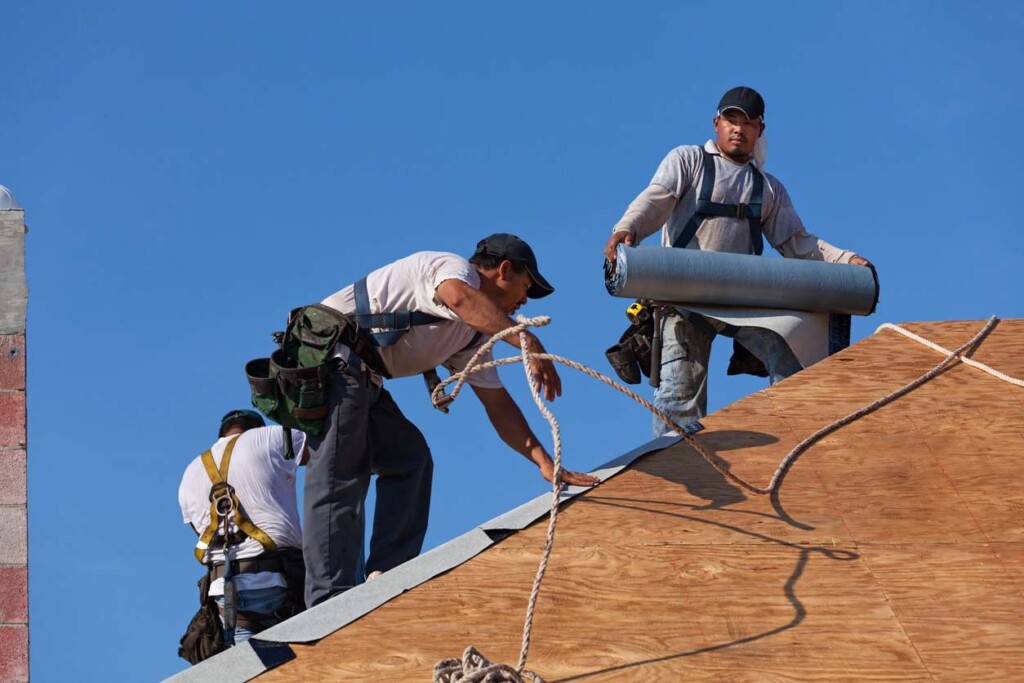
<point>624,355</point>
<point>205,635</point>
<point>390,327</point>
<point>225,507</point>
<point>707,208</point>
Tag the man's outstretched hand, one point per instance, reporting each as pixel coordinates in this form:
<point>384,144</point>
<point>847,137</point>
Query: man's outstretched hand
<point>569,477</point>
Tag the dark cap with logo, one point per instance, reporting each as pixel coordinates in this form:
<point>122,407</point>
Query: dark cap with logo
<point>506,246</point>
<point>747,100</point>
<point>250,416</point>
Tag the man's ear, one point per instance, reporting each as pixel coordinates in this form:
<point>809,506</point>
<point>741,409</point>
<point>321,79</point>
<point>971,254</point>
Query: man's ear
<point>505,270</point>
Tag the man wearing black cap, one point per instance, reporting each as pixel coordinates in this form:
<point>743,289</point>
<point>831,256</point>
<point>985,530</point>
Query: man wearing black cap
<point>459,303</point>
<point>259,467</point>
<point>718,198</point>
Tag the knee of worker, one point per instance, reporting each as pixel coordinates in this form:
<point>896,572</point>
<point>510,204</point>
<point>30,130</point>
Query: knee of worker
<point>681,381</point>
<point>398,446</point>
<point>685,342</point>
<point>675,389</point>
<point>677,405</point>
<point>412,460</point>
<point>682,395</point>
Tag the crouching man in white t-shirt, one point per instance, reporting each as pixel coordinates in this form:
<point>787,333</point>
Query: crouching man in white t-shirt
<point>266,548</point>
<point>365,432</point>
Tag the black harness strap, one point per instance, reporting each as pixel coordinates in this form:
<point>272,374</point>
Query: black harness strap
<point>477,336</point>
<point>707,208</point>
<point>391,326</point>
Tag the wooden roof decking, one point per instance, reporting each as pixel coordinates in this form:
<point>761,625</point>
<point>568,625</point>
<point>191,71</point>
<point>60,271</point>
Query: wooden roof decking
<point>895,550</point>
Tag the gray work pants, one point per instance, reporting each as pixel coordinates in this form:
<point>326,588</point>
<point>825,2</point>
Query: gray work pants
<point>364,433</point>
<point>685,352</point>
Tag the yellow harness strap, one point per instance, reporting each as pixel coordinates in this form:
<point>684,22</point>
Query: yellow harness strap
<point>223,502</point>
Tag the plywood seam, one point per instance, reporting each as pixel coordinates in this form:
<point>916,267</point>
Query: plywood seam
<point>952,485</point>
<point>895,614</point>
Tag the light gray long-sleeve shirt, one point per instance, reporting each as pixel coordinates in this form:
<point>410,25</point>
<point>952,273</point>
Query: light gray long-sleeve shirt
<point>671,200</point>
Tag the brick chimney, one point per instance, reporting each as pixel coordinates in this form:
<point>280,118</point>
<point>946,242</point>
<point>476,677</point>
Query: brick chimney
<point>13,461</point>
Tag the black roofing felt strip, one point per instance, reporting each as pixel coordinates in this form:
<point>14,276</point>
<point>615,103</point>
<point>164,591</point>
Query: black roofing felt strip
<point>498,534</point>
<point>270,653</point>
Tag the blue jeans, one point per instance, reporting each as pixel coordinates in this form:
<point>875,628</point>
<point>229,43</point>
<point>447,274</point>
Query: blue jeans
<point>685,352</point>
<point>259,600</point>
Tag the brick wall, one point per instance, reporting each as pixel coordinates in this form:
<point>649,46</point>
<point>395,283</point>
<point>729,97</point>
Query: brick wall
<point>13,461</point>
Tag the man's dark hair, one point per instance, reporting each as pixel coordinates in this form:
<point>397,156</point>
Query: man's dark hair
<point>246,419</point>
<point>490,261</point>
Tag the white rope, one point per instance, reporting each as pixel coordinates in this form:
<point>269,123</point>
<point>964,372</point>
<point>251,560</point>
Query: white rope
<point>482,670</point>
<point>475,668</point>
<point>556,489</point>
<point>967,361</point>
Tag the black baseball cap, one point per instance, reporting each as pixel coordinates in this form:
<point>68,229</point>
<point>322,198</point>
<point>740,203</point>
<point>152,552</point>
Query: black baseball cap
<point>747,100</point>
<point>506,246</point>
<point>249,415</point>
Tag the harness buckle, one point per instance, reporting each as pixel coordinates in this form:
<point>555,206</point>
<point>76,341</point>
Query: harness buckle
<point>222,495</point>
<point>741,211</point>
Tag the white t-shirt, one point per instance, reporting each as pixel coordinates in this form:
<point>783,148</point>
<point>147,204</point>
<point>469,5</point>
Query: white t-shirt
<point>410,284</point>
<point>265,485</point>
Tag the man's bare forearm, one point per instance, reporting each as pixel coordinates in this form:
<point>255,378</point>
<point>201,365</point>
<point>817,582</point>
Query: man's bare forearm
<point>511,425</point>
<point>475,309</point>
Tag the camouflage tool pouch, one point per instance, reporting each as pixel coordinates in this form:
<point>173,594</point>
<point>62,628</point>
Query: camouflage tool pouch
<point>290,387</point>
<point>292,397</point>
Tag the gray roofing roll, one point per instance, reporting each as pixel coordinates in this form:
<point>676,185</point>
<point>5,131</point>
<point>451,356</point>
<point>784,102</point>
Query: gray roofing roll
<point>715,278</point>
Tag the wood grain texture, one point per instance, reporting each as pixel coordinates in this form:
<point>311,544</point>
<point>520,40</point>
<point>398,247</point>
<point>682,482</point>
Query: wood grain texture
<point>894,551</point>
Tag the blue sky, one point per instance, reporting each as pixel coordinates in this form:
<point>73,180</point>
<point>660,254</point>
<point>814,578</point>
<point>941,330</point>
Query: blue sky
<point>191,171</point>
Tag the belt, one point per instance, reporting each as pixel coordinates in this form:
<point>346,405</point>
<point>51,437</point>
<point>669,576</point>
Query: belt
<point>249,565</point>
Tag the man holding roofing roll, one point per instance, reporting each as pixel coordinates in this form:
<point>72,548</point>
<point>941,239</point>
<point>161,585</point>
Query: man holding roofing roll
<point>717,197</point>
<point>428,309</point>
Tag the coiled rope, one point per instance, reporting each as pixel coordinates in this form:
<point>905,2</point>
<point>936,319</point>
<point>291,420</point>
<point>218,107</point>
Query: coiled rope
<point>474,667</point>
